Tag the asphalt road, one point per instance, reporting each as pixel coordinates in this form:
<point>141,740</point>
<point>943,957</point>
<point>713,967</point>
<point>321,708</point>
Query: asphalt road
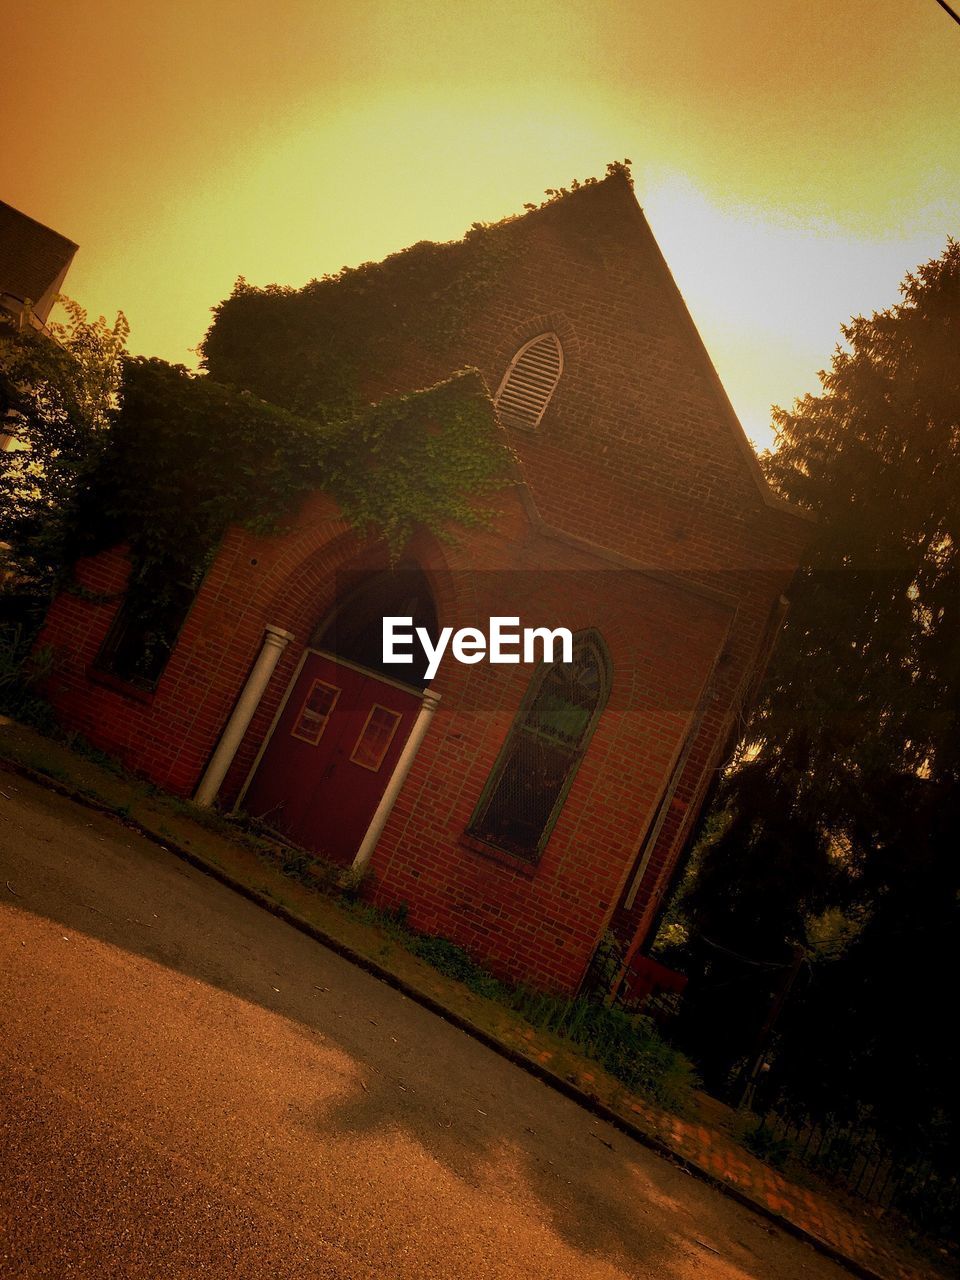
<point>190,1088</point>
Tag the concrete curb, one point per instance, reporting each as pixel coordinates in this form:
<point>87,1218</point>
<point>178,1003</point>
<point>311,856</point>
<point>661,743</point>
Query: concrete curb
<point>560,1085</point>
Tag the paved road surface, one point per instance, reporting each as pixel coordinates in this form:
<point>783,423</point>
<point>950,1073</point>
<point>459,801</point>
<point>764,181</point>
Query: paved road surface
<point>190,1088</point>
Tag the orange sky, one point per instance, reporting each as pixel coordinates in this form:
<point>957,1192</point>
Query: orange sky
<point>794,157</point>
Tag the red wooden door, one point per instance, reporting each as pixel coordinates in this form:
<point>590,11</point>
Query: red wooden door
<point>330,756</point>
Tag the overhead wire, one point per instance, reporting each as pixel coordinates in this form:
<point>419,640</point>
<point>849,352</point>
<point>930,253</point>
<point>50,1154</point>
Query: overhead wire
<point>952,12</point>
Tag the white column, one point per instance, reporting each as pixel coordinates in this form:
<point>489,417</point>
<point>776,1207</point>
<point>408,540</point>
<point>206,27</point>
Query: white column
<point>397,779</point>
<point>274,643</point>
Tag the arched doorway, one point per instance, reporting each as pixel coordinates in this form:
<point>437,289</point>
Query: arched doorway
<point>345,718</point>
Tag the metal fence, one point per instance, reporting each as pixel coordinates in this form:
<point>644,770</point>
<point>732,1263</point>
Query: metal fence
<point>853,1158</point>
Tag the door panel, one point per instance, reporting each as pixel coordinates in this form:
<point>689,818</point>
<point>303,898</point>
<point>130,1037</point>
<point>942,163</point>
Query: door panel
<point>330,757</point>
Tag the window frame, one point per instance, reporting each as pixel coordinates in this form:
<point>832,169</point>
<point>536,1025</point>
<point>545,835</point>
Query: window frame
<point>508,418</point>
<point>104,664</point>
<point>397,717</point>
<point>473,833</point>
<point>298,722</point>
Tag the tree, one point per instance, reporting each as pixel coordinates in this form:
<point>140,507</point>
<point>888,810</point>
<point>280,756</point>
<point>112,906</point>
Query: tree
<point>59,391</point>
<point>846,795</point>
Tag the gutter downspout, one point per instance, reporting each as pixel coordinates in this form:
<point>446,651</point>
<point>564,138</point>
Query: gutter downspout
<point>274,642</point>
<point>741,698</point>
<point>397,779</point>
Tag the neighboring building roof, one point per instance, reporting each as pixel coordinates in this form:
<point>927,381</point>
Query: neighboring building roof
<point>33,261</point>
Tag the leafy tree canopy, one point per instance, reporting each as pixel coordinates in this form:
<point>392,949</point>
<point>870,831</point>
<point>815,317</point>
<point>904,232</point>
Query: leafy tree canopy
<point>59,392</point>
<point>845,795</point>
<point>872,640</point>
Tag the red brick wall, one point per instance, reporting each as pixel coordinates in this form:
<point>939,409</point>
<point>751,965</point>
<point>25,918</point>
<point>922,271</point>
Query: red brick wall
<point>169,735</point>
<point>638,452</point>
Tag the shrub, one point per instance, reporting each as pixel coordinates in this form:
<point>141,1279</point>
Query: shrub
<point>21,672</point>
<point>766,1146</point>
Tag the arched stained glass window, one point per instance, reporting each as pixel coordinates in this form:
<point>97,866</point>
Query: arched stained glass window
<point>530,381</point>
<point>530,780</point>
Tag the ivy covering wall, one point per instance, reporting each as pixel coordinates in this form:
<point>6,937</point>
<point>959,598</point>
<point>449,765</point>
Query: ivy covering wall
<point>301,394</point>
<point>347,337</point>
<point>189,457</point>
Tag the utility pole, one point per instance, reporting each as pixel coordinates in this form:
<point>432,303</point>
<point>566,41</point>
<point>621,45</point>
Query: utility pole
<point>758,1053</point>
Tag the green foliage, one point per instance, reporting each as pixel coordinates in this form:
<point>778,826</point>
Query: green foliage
<point>351,338</point>
<point>673,934</point>
<point>58,391</point>
<point>765,1145</point>
<point>848,800</point>
<point>295,865</point>
<point>189,457</point>
<point>340,342</point>
<point>930,1202</point>
<point>831,934</point>
<point>607,963</point>
<point>22,670</point>
<point>628,1045</point>
<point>114,450</point>
<point>616,168</point>
<point>144,453</point>
<point>877,457</point>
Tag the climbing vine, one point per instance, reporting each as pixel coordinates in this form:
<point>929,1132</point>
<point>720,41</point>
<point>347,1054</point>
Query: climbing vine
<point>349,338</point>
<point>189,457</point>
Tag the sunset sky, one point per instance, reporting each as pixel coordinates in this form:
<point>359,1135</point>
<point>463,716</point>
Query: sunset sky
<point>794,159</point>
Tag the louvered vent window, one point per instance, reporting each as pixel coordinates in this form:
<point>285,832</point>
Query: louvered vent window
<point>530,381</point>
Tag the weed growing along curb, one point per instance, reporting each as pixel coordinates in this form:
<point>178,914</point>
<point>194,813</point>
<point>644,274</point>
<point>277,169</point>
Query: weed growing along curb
<point>626,1045</point>
<point>758,1139</point>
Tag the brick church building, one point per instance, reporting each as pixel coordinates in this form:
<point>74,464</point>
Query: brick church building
<point>522,810</point>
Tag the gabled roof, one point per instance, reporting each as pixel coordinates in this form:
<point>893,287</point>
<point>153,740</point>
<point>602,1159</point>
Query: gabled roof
<point>613,198</point>
<point>33,258</point>
<point>292,346</point>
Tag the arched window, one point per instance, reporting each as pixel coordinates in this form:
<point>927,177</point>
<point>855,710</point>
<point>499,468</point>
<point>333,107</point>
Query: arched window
<point>530,780</point>
<point>530,381</point>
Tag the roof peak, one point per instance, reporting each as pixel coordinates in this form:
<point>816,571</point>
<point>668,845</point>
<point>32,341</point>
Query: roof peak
<point>618,174</point>
<point>9,208</point>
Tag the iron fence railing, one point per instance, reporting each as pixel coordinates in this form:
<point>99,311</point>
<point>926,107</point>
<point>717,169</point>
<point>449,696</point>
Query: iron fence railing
<point>855,1159</point>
